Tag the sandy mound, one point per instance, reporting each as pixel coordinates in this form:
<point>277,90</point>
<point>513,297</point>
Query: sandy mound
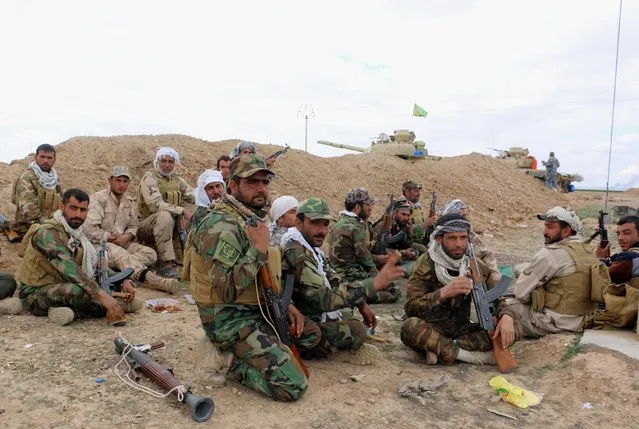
<point>499,195</point>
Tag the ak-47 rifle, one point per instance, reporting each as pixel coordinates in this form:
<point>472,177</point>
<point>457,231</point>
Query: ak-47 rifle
<point>432,211</point>
<point>484,305</point>
<point>278,153</point>
<point>385,239</point>
<point>201,408</point>
<point>12,236</point>
<point>601,231</point>
<point>111,285</point>
<point>277,303</point>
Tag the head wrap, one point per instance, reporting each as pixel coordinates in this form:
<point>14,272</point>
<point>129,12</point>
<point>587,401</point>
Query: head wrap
<point>453,206</point>
<point>237,150</point>
<point>281,205</point>
<point>209,176</point>
<point>47,179</point>
<point>443,262</point>
<point>161,153</point>
<point>452,222</point>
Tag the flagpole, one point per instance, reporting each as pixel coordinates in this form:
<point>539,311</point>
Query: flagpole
<point>306,110</point>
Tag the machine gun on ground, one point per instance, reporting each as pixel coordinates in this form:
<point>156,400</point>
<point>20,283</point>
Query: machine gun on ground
<point>110,284</point>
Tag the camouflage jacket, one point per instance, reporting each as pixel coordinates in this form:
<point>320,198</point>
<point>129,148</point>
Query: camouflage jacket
<point>231,260</point>
<point>349,254</point>
<point>406,243</point>
<point>50,240</point>
<point>198,215</point>
<point>310,294</point>
<point>422,295</point>
<point>25,197</point>
<point>277,232</point>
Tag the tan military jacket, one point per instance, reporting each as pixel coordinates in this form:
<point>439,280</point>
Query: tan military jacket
<point>109,216</point>
<point>549,262</point>
<point>152,196</point>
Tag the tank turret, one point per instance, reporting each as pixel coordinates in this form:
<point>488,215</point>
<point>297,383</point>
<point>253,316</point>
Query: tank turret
<point>401,143</point>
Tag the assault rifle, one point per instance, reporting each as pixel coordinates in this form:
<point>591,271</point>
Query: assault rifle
<point>275,155</point>
<point>111,285</point>
<point>201,408</point>
<point>432,211</point>
<point>484,305</point>
<point>277,304</point>
<point>601,231</point>
<point>385,238</point>
<point>12,236</point>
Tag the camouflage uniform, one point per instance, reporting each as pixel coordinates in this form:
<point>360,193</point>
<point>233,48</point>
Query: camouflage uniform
<point>436,325</point>
<point>198,216</point>
<point>222,265</point>
<point>349,244</point>
<point>551,171</point>
<point>107,215</point>
<point>276,235</point>
<point>314,297</point>
<point>51,274</point>
<point>160,202</point>
<point>407,243</point>
<point>34,203</point>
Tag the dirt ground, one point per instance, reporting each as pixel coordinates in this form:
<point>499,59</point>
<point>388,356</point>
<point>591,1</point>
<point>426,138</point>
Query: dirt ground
<point>48,373</point>
<point>52,384</point>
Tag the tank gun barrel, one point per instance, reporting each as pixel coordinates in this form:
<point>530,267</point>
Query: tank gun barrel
<point>341,146</point>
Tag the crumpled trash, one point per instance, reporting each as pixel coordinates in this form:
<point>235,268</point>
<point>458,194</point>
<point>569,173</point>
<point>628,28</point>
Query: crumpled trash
<point>515,395</point>
<point>163,305</point>
<point>416,390</point>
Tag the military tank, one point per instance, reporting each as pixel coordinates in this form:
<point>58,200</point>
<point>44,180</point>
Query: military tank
<point>401,143</point>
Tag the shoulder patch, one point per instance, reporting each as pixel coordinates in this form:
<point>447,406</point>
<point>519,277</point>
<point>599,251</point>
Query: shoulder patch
<point>226,253</point>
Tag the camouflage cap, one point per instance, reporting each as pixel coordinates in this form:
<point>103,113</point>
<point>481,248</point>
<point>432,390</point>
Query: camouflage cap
<point>358,195</point>
<point>410,185</point>
<point>563,214</point>
<point>120,170</point>
<point>247,165</point>
<point>402,204</point>
<point>314,208</point>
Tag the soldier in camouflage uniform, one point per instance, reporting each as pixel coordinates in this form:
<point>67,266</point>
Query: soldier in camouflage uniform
<point>552,165</point>
<point>318,292</point>
<point>408,247</point>
<point>222,262</point>
<point>37,191</point>
<point>349,242</point>
<point>419,218</point>
<point>438,299</point>
<point>59,263</point>
<point>161,200</point>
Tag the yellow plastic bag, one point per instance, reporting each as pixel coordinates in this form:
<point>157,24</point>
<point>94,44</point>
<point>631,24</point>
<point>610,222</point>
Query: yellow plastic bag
<point>517,396</point>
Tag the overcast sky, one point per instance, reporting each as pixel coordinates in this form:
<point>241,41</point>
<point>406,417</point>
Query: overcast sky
<point>491,74</point>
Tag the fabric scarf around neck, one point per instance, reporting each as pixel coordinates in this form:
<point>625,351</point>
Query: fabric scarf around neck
<point>443,263</point>
<point>77,238</point>
<point>295,235</point>
<point>48,180</point>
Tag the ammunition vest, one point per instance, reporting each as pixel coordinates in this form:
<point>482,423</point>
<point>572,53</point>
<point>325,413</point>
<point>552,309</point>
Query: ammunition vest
<point>48,200</point>
<point>195,272</point>
<point>169,189</point>
<point>417,216</point>
<point>35,270</point>
<point>575,294</point>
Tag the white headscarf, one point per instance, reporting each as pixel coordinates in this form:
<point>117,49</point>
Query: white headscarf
<point>281,205</point>
<point>48,180</point>
<point>161,153</point>
<point>453,206</point>
<point>209,176</point>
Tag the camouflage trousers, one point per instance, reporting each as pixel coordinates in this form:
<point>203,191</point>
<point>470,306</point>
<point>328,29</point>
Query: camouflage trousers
<point>529,323</point>
<point>444,338</point>
<point>134,255</point>
<point>347,334</point>
<point>157,229</point>
<point>39,299</point>
<point>551,178</point>
<point>262,362</point>
<point>7,285</point>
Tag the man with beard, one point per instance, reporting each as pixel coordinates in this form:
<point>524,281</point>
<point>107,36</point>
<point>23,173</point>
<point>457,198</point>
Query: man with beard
<point>320,294</point>
<point>36,193</point>
<point>408,247</point>
<point>438,299</point>
<point>57,271</point>
<point>113,217</point>
<point>622,296</point>
<point>247,148</point>
<point>222,166</point>
<point>161,200</point>
<point>222,263</point>
<point>419,218</point>
<point>210,189</point>
<point>349,242</point>
<point>559,289</point>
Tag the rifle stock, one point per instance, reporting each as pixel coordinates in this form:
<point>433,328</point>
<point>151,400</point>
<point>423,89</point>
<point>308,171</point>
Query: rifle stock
<point>432,211</point>
<point>504,358</point>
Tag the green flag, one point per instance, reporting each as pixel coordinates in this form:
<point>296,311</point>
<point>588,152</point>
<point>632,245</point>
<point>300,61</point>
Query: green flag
<point>418,111</point>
